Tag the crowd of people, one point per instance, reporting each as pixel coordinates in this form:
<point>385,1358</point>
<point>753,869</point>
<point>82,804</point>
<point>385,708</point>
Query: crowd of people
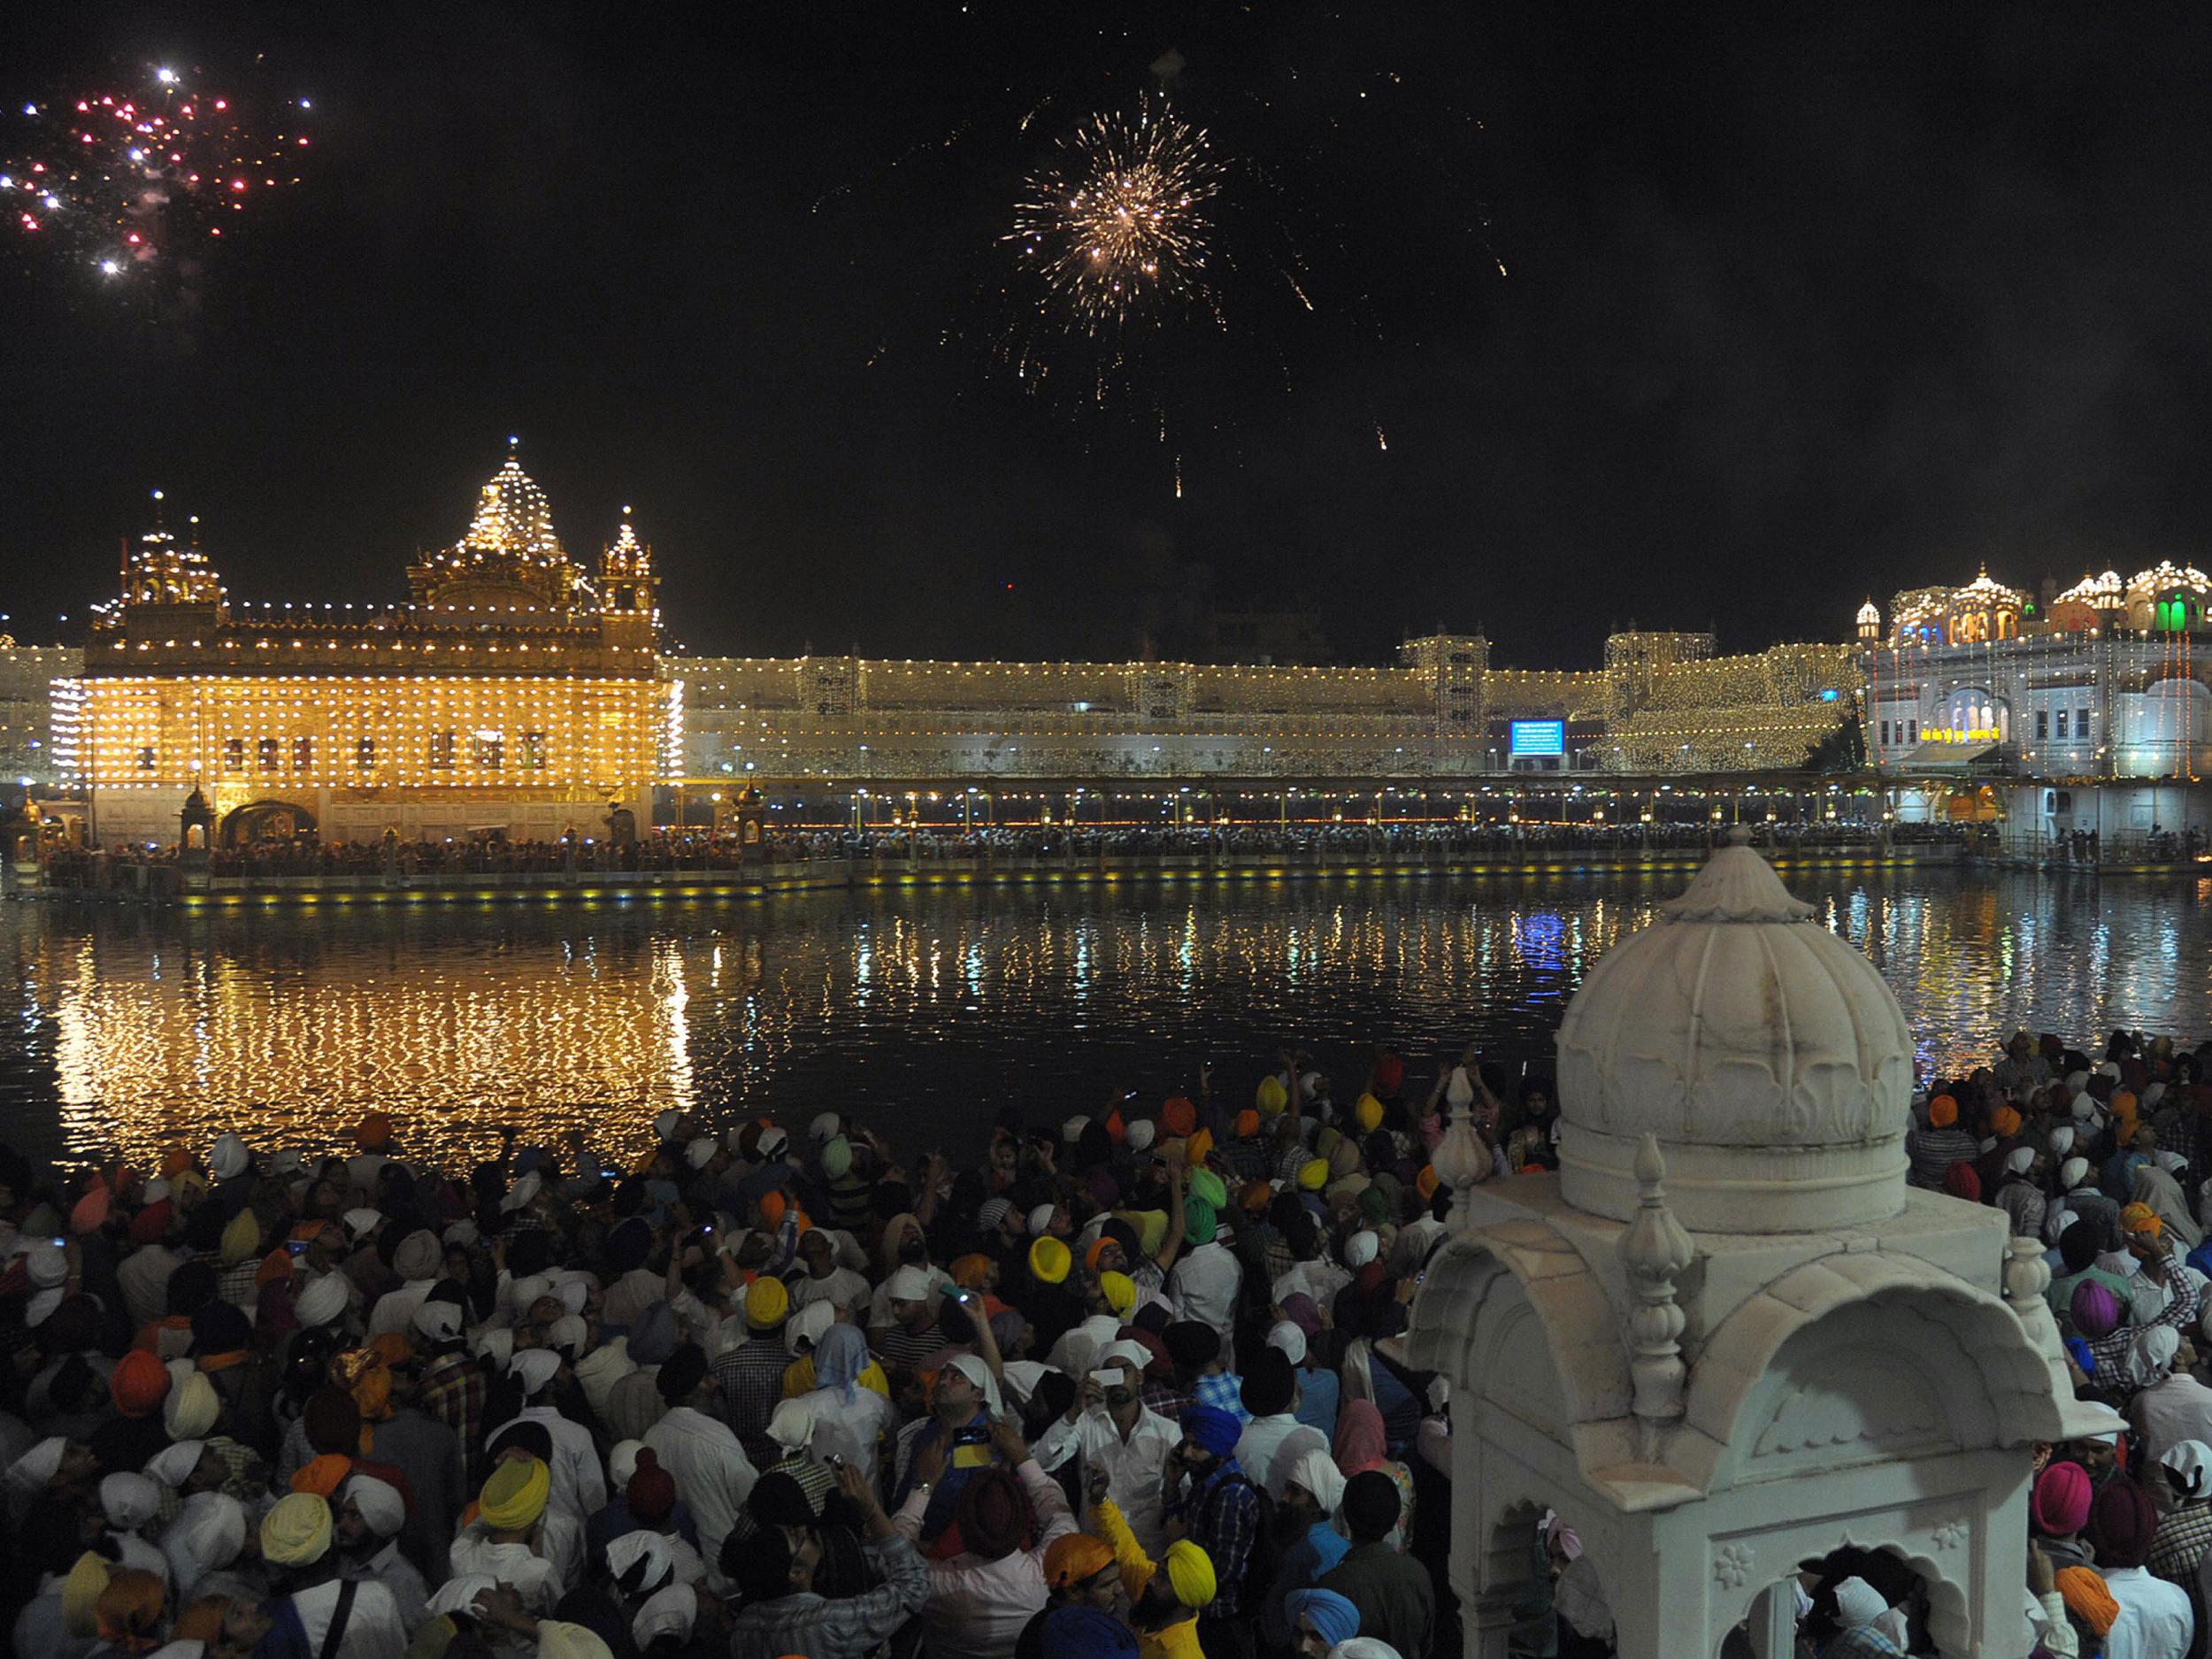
<point>1133,1383</point>
<point>1130,1384</point>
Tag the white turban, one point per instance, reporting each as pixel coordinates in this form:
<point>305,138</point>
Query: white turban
<point>809,1323</point>
<point>1360,1248</point>
<point>41,1307</point>
<point>773,1143</point>
<point>643,1546</point>
<point>1040,1219</point>
<point>1123,1353</point>
<point>2077,1081</point>
<point>622,1462</point>
<point>670,1612</point>
<point>521,1193</point>
<point>2153,1094</point>
<point>361,1223</point>
<point>792,1427</point>
<point>2151,1354</point>
<point>1317,1471</point>
<point>321,1302</point>
<point>458,1594</point>
<point>977,1373</point>
<point>2062,1140</point>
<point>2108,1068</point>
<point>1858,1602</point>
<point>569,1334</point>
<point>1139,1134</point>
<point>909,1284</point>
<point>48,1264</point>
<point>824,1127</point>
<point>574,1293</point>
<point>535,1366</point>
<point>29,1473</point>
<point>497,1345</point>
<point>2187,1464</point>
<point>173,1465</point>
<point>2172,1162</point>
<point>1072,1131</point>
<point>208,1534</point>
<point>2019,1160</point>
<point>2083,1108</point>
<point>2073,1172</point>
<point>379,1503</point>
<point>227,1157</point>
<point>440,1321</point>
<point>701,1152</point>
<point>1290,1339</point>
<point>129,1500</point>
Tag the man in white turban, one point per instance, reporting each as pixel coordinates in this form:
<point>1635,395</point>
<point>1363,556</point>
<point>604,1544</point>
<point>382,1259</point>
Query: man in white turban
<point>204,1545</point>
<point>370,1513</point>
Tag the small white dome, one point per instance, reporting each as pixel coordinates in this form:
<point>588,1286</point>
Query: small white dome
<point>1763,1052</point>
<point>1869,612</point>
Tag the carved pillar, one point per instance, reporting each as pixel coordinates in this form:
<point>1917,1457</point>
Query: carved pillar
<point>1654,1251</point>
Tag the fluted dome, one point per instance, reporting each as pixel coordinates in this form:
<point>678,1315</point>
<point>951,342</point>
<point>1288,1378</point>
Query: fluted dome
<point>1763,1052</point>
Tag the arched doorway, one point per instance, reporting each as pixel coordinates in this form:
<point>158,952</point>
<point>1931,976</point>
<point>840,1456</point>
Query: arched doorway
<point>1803,1607</point>
<point>267,821</point>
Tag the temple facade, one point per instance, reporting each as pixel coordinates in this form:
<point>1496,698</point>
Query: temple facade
<point>512,694</point>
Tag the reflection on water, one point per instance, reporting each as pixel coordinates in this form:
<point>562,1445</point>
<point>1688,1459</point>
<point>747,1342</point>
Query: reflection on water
<point>930,1011</point>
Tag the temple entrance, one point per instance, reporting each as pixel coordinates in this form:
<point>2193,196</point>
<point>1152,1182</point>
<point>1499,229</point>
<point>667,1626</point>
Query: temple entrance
<point>260,821</point>
<point>1803,1613</point>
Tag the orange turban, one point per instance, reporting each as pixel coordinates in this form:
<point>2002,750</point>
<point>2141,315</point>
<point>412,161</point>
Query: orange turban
<point>174,1161</point>
<point>129,1612</point>
<point>2088,1600</point>
<point>374,1130</point>
<point>1178,1116</point>
<point>202,1620</point>
<point>2005,1122</point>
<point>392,1347</point>
<point>2123,1104</point>
<point>90,1213</point>
<point>139,1385</point>
<point>971,1272</point>
<point>324,1475</point>
<point>1116,1129</point>
<point>275,1266</point>
<point>1943,1111</point>
<point>1248,1124</point>
<point>1196,1150</point>
<point>1425,1182</point>
<point>1097,1249</point>
<point>2141,1219</point>
<point>1074,1556</point>
<point>773,1205</point>
<point>1256,1195</point>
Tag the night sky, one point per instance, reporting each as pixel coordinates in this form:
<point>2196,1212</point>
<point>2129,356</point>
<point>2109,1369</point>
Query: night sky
<point>1802,304</point>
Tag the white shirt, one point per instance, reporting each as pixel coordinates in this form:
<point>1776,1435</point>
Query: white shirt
<point>2155,1621</point>
<point>1204,1286</point>
<point>977,1607</point>
<point>579,1484</point>
<point>851,1429</point>
<point>372,1629</point>
<point>713,1475</point>
<point>1133,1466</point>
<point>400,1577</point>
<point>1260,1449</point>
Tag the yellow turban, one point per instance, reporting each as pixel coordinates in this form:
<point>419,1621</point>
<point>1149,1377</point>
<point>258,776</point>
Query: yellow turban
<point>1271,1096</point>
<point>1049,1260</point>
<point>1195,1148</point>
<point>1368,1114</point>
<point>81,1594</point>
<point>1313,1175</point>
<point>560,1640</point>
<point>515,1495</point>
<point>2141,1219</point>
<point>295,1532</point>
<point>1190,1573</point>
<point>1121,1292</point>
<point>1151,1226</point>
<point>191,1407</point>
<point>767,1304</point>
<point>241,1238</point>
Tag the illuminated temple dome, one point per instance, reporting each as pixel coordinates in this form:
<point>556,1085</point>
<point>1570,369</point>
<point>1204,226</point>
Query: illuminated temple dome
<point>1763,1052</point>
<point>511,556</point>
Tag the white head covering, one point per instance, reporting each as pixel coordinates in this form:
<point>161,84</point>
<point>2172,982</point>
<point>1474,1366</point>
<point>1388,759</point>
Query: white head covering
<point>622,1462</point>
<point>461,1233</point>
<point>2085,1107</point>
<point>208,1534</point>
<point>1360,1248</point>
<point>1290,1339</point>
<point>48,1264</point>
<point>379,1503</point>
<point>129,1500</point>
<point>809,1323</point>
<point>41,1307</point>
<point>1858,1602</point>
<point>824,1127</point>
<point>773,1143</point>
<point>2151,1354</point>
<point>909,1284</point>
<point>664,1123</point>
<point>1138,1136</point>
<point>977,1373</point>
<point>521,1193</point>
<point>359,1223</point>
<point>535,1366</point>
<point>646,1547</point>
<point>2018,1160</point>
<point>2077,1081</point>
<point>573,1293</point>
<point>2073,1172</point>
<point>1072,1131</point>
<point>701,1152</point>
<point>1317,1471</point>
<point>1122,1353</point>
<point>2062,1140</point>
<point>322,1301</point>
<point>1039,1218</point>
<point>173,1465</point>
<point>458,1594</point>
<point>570,1335</point>
<point>792,1426</point>
<point>440,1321</point>
<point>2188,1466</point>
<point>2172,1162</point>
<point>1364,1648</point>
<point>669,1612</point>
<point>29,1473</point>
<point>2108,1068</point>
<point>497,1345</point>
<point>227,1157</point>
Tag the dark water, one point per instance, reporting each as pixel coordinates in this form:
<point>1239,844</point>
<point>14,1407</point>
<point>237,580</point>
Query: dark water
<point>927,1011</point>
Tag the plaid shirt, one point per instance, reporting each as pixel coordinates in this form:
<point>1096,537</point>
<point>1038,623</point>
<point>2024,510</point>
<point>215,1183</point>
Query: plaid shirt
<point>2181,1541</point>
<point>1223,1391</point>
<point>849,1627</point>
<point>749,1384</point>
<point>452,1392</point>
<point>2110,1351</point>
<point>1221,1515</point>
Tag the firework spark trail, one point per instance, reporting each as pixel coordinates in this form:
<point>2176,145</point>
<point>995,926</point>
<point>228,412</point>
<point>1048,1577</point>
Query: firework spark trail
<point>1115,222</point>
<point>123,179</point>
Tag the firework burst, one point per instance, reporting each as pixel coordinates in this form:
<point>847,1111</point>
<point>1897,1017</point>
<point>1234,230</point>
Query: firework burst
<point>127,179</point>
<point>1116,225</point>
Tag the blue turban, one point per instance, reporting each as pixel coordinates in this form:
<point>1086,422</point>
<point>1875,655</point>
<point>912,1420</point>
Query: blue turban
<point>1216,1431</point>
<point>653,1338</point>
<point>1334,1618</point>
<point>1084,1632</point>
<point>2083,1357</point>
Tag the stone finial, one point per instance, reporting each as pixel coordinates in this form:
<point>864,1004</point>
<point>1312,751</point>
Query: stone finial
<point>1654,1251</point>
<point>1460,1160</point>
<point>2027,1277</point>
